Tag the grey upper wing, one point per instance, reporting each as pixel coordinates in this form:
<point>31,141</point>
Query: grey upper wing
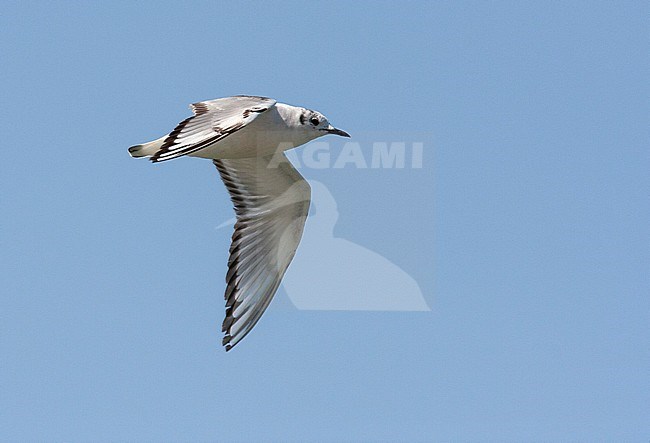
<point>271,203</point>
<point>212,121</point>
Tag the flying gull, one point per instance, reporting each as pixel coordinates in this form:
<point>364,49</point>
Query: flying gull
<point>245,137</point>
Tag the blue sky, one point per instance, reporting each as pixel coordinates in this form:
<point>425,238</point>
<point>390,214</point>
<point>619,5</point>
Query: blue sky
<point>526,228</point>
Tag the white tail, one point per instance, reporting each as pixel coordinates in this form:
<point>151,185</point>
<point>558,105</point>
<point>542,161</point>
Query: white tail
<point>147,149</point>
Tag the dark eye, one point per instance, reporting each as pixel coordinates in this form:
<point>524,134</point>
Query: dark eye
<point>314,121</point>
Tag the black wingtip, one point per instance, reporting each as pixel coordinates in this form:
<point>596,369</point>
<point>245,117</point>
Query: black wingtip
<point>227,323</point>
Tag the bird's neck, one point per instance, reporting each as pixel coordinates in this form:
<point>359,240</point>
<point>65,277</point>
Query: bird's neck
<point>290,114</point>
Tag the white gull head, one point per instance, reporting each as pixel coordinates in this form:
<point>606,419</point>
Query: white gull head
<point>306,125</point>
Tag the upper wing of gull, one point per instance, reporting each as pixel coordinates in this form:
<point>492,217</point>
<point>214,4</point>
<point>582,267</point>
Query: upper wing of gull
<point>212,121</point>
<point>271,202</point>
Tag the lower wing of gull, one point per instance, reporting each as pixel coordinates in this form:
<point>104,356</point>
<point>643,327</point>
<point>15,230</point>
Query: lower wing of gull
<point>271,201</point>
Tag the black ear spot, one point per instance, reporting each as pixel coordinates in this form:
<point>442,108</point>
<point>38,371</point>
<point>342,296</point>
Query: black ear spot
<point>302,118</point>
